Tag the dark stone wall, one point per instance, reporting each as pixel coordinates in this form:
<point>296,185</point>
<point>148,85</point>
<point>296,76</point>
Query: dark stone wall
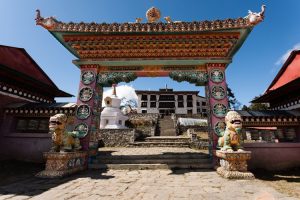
<point>116,137</point>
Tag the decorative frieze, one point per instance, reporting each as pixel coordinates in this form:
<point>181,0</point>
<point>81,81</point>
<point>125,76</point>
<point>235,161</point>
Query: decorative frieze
<point>25,94</point>
<point>195,77</point>
<point>107,79</point>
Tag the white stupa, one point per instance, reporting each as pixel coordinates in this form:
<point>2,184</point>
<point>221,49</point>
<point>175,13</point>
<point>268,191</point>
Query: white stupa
<point>111,116</point>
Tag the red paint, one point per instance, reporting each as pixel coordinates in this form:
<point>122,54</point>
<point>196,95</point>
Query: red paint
<point>291,73</point>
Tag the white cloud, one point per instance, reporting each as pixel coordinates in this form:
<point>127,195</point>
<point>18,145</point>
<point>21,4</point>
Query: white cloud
<point>287,54</point>
<point>122,91</point>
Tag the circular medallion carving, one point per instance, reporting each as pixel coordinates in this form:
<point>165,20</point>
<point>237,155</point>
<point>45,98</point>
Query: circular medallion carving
<point>219,110</point>
<point>216,75</point>
<point>82,129</point>
<point>220,128</point>
<point>85,94</point>
<point>83,111</point>
<point>87,77</point>
<point>218,92</point>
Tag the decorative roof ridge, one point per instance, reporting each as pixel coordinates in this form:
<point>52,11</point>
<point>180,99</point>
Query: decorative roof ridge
<point>51,24</point>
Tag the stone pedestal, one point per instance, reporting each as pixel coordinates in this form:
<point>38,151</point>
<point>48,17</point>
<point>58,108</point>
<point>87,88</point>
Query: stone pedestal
<point>60,164</point>
<point>234,164</point>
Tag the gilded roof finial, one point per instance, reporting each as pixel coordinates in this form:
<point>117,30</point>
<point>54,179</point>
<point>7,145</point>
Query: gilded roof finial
<point>153,15</point>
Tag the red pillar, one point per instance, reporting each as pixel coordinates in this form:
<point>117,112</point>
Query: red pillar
<point>89,102</point>
<point>216,92</point>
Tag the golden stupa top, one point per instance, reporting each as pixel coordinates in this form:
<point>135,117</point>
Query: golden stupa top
<point>152,25</point>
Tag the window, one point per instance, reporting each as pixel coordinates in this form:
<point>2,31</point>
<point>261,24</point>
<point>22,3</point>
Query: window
<point>189,97</point>
<point>166,98</point>
<point>180,97</point>
<point>120,122</point>
<point>144,104</point>
<point>32,125</point>
<point>203,103</point>
<point>189,112</point>
<point>153,98</point>
<point>106,121</point>
<point>167,104</point>
<point>145,97</point>
<point>198,103</point>
<point>144,111</point>
<point>204,110</point>
<point>189,104</point>
<point>153,105</point>
<point>180,104</point>
<point>198,110</point>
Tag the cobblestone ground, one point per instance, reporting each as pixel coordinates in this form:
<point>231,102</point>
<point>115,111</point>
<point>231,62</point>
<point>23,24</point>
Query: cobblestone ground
<point>147,184</point>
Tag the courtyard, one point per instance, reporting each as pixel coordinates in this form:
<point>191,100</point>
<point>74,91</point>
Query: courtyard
<point>18,182</point>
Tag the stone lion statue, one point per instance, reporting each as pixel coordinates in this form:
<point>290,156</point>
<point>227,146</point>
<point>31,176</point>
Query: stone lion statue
<point>61,139</point>
<point>230,141</point>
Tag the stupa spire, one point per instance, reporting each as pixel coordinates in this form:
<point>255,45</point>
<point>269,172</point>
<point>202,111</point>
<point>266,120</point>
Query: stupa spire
<point>114,89</point>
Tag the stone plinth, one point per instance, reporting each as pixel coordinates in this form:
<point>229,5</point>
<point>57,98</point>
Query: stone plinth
<point>234,164</point>
<point>60,164</point>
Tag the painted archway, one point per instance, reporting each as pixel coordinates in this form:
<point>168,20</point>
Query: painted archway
<point>197,52</point>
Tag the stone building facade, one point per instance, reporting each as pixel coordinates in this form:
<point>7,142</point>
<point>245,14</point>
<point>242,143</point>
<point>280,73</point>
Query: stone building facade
<point>167,101</point>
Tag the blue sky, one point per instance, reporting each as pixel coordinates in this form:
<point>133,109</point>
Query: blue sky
<point>253,67</point>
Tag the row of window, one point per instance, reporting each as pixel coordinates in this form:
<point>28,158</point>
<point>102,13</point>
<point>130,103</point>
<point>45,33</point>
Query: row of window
<point>166,97</point>
<point>179,104</point>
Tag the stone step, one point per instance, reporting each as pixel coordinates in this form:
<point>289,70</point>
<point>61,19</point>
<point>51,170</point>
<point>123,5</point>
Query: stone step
<point>167,139</point>
<point>160,144</point>
<point>151,161</point>
<point>150,166</point>
<point>177,156</point>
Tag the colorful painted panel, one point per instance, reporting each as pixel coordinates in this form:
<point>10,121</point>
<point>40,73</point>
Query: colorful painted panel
<point>217,75</point>
<point>220,128</point>
<point>198,78</point>
<point>219,110</point>
<point>85,94</point>
<point>83,111</point>
<point>218,92</point>
<point>82,129</point>
<point>107,79</point>
<point>87,77</point>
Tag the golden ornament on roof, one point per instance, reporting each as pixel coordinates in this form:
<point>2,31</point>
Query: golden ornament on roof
<point>153,15</point>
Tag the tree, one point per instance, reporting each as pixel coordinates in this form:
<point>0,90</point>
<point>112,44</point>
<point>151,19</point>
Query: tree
<point>233,103</point>
<point>256,106</point>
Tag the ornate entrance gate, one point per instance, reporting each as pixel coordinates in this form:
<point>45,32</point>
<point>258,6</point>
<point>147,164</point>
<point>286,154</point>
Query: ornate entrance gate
<point>197,52</point>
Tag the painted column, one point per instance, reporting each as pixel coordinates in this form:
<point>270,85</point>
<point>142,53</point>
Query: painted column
<point>89,102</point>
<point>216,92</point>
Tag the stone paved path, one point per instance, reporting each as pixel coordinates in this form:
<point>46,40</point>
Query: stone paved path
<point>145,184</point>
<point>148,151</point>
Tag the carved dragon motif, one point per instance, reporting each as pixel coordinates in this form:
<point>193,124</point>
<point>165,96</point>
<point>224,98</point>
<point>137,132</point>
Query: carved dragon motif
<point>255,18</point>
<point>48,23</point>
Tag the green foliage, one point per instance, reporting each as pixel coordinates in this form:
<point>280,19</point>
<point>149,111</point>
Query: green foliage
<point>233,103</point>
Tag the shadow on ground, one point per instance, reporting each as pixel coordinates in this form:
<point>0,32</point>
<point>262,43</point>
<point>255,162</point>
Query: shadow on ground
<point>291,175</point>
<point>18,178</point>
